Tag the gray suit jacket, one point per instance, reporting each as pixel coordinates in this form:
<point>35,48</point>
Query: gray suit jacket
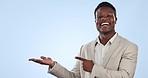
<point>119,62</point>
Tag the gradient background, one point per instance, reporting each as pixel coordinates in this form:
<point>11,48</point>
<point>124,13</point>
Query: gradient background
<point>57,29</point>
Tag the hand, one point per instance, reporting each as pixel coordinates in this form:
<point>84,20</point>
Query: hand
<point>87,64</point>
<point>44,61</point>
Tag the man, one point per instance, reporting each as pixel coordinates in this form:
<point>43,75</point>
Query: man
<point>108,56</point>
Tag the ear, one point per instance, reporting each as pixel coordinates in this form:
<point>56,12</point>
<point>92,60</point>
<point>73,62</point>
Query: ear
<point>115,20</point>
<point>95,20</point>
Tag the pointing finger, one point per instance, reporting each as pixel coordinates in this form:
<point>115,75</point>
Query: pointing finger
<point>80,58</point>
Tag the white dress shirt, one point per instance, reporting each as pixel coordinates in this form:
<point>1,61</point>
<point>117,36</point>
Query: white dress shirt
<point>101,50</point>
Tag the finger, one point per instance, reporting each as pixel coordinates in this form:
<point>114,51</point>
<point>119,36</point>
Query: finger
<point>32,59</point>
<point>35,60</point>
<point>80,58</point>
<point>43,57</point>
<point>49,58</point>
<point>38,61</point>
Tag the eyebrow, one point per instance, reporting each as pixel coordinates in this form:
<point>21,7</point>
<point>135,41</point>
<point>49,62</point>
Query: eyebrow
<point>107,13</point>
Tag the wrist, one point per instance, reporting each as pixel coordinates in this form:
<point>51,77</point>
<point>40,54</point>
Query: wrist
<point>52,64</point>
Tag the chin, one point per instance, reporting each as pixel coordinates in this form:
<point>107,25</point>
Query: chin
<point>104,32</point>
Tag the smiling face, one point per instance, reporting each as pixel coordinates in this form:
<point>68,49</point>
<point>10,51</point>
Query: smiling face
<point>105,20</point>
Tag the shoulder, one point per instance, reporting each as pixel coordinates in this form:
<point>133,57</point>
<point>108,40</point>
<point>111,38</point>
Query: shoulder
<point>126,42</point>
<point>91,43</point>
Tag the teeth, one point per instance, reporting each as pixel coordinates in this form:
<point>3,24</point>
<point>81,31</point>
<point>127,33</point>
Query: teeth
<point>106,23</point>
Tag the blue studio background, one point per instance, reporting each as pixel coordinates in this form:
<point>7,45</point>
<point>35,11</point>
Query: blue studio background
<point>57,29</point>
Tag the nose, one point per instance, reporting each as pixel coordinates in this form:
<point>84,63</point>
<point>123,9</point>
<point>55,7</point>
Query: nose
<point>104,18</point>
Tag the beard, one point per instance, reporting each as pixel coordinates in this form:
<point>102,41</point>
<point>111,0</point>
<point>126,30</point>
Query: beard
<point>106,32</point>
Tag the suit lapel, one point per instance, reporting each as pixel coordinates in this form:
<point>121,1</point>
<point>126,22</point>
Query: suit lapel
<point>92,50</point>
<point>111,50</point>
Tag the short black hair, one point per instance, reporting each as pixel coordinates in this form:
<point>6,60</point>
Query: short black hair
<point>105,4</point>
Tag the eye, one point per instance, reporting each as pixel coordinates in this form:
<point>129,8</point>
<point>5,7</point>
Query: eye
<point>110,16</point>
<point>99,17</point>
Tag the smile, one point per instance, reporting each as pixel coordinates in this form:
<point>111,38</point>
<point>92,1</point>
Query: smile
<point>105,23</point>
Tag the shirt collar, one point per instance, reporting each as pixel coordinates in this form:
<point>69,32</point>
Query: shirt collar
<point>110,41</point>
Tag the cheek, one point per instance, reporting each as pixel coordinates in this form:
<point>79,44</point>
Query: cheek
<point>97,22</point>
<point>97,26</point>
<point>113,21</point>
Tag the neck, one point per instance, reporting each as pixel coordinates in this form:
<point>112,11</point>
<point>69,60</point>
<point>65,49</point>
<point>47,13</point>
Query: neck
<point>104,38</point>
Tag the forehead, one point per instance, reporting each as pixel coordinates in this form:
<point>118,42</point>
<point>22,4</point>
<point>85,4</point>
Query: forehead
<point>104,10</point>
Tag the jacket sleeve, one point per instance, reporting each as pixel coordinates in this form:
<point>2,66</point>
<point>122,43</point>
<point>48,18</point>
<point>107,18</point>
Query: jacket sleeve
<point>126,68</point>
<point>61,72</point>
